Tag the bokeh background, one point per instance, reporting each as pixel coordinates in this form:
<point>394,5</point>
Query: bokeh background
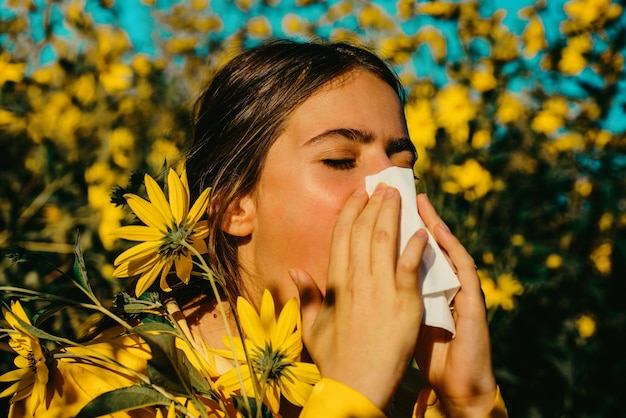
<point>517,109</point>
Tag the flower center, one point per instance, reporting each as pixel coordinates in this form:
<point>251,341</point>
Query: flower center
<point>269,362</point>
<point>173,243</point>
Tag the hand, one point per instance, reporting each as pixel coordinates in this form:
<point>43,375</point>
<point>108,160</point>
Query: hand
<point>459,369</point>
<point>364,330</point>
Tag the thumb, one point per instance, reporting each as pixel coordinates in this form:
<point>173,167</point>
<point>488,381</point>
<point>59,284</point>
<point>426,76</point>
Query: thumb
<point>311,299</point>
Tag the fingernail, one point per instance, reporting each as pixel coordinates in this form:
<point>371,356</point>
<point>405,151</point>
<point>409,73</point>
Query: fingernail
<point>422,233</point>
<point>379,188</point>
<point>389,191</point>
<point>358,192</point>
<point>444,226</point>
<point>294,276</point>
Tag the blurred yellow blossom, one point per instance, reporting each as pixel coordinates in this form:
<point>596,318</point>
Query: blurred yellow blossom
<point>569,141</point>
<point>208,23</point>
<point>454,110</point>
<point>601,257</point>
<point>398,48</point>
<point>121,145</point>
<point>406,9</point>
<point>470,179</point>
<point>517,240</point>
<point>10,71</point>
<point>572,57</point>
<point>442,9</point>
<point>435,39</point>
<point>420,123</point>
<point>340,9</point>
<point>181,44</point>
<point>505,47</point>
<point>84,88</point>
<point>51,75</point>
<point>259,27</point>
<point>162,150</point>
<point>483,79</point>
<point>586,13</point>
<point>510,108</point>
<point>500,292</point>
<point>551,118</point>
<point>141,65</point>
<point>481,138</point>
<point>606,221</point>
<point>76,16</point>
<point>534,37</point>
<point>601,138</point>
<point>117,77</point>
<point>488,257</point>
<point>112,43</point>
<point>583,187</point>
<point>295,25</point>
<point>586,326</point>
<point>199,5</point>
<point>554,261</point>
<point>9,122</point>
<point>373,16</point>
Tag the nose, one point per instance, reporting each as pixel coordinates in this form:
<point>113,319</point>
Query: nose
<point>378,163</point>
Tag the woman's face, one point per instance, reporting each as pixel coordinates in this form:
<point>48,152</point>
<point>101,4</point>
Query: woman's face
<point>352,128</point>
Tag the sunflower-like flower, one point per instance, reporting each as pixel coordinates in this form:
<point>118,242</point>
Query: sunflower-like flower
<point>31,375</point>
<point>170,229</point>
<point>273,348</point>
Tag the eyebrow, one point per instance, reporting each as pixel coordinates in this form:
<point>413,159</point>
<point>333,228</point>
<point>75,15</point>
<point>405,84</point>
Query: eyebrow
<point>395,145</point>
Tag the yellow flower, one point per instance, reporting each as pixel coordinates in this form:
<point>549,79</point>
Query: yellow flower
<point>500,292</point>
<point>510,108</point>
<point>421,124</point>
<point>273,347</point>
<point>554,261</point>
<point>534,37</point>
<point>10,71</point>
<point>31,376</point>
<point>586,326</point>
<point>454,110</point>
<point>601,257</point>
<point>170,230</point>
<point>470,178</point>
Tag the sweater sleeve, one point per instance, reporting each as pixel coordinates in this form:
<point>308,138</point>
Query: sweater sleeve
<point>332,399</point>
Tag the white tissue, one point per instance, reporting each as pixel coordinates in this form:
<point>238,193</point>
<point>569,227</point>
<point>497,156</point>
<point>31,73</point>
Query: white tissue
<point>439,283</point>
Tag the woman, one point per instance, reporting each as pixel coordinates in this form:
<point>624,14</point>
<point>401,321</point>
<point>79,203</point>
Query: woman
<point>285,135</point>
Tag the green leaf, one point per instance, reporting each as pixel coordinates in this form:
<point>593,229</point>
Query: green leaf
<point>124,399</point>
<point>240,405</point>
<point>80,271</point>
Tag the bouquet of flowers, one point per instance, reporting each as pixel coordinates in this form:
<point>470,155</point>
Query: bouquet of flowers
<point>150,363</point>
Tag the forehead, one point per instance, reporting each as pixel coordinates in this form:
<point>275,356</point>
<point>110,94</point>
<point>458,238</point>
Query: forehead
<point>356,99</point>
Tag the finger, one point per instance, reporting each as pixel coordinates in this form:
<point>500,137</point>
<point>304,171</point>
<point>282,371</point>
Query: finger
<point>407,278</point>
<point>428,213</point>
<point>362,230</point>
<point>311,299</point>
<point>340,244</point>
<point>471,294</point>
<point>384,239</point>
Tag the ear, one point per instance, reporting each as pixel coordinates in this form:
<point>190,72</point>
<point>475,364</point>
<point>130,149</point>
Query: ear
<point>240,218</point>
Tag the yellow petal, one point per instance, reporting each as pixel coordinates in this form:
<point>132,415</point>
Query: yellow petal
<point>183,268</point>
<point>230,381</point>
<point>200,230</point>
<point>272,396</point>
<point>138,233</point>
<point>163,281</point>
<point>157,198</point>
<point>236,347</point>
<point>200,245</point>
<point>146,280</point>
<point>251,323</point>
<point>139,252</point>
<point>27,381</point>
<point>286,322</point>
<point>268,313</point>
<point>297,392</point>
<point>147,212</point>
<point>305,372</point>
<point>199,207</point>
<point>14,375</point>
<point>292,346</point>
<point>179,198</point>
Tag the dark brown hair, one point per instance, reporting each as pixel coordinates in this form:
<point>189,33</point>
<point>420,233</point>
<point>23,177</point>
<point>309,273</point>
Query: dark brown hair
<point>239,116</point>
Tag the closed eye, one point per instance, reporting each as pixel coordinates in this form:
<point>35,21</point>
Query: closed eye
<point>340,164</point>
